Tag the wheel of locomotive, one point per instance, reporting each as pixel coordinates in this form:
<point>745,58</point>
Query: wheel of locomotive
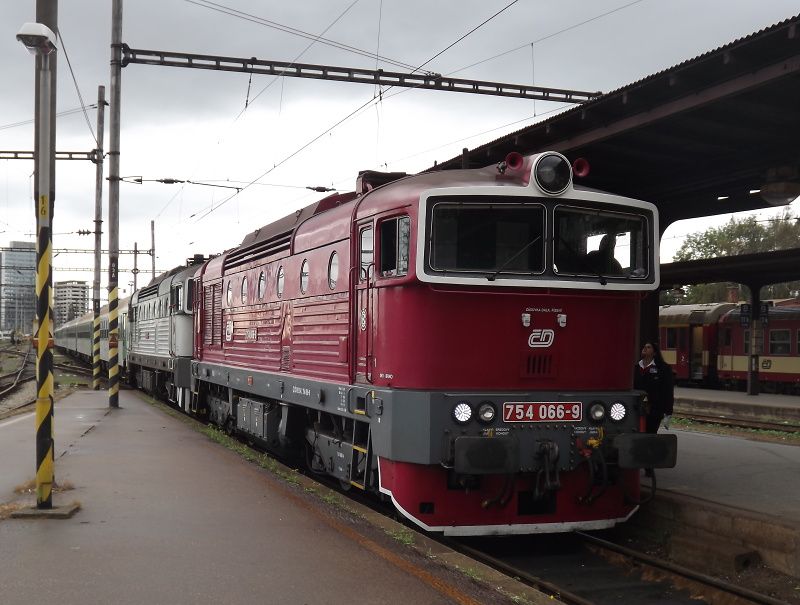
<point>229,427</point>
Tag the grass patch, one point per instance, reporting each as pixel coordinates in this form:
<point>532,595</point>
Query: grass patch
<point>403,536</point>
<point>470,573</point>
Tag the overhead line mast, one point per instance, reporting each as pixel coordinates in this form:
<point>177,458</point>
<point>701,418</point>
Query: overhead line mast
<point>351,74</point>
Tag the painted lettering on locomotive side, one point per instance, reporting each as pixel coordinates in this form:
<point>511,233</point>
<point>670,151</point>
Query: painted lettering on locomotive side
<point>305,391</point>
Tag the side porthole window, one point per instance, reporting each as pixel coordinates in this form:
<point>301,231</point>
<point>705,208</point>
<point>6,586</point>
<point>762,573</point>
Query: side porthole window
<point>244,290</point>
<point>280,281</point>
<point>229,294</point>
<point>333,270</point>
<point>262,286</point>
<point>304,277</point>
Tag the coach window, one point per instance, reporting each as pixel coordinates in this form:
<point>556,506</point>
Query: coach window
<point>229,293</point>
<point>262,285</point>
<point>366,253</point>
<point>780,342</point>
<point>304,277</point>
<point>671,338</point>
<point>726,337</point>
<point>280,282</point>
<point>394,246</point>
<point>333,270</point>
<point>244,290</point>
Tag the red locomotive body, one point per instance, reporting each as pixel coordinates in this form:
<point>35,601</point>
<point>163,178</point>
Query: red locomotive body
<point>435,338</point>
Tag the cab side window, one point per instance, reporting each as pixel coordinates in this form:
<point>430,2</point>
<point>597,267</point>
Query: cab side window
<point>367,252</point>
<point>394,246</point>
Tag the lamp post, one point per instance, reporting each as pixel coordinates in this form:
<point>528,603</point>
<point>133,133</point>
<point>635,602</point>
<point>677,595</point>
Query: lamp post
<point>40,41</point>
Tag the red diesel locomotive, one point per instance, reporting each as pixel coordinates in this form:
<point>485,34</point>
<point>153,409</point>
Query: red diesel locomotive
<point>460,342</point>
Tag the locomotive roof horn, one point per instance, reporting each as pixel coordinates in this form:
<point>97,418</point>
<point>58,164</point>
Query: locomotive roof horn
<point>581,167</point>
<point>514,161</point>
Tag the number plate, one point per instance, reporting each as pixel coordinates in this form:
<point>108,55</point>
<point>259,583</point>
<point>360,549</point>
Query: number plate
<point>542,411</point>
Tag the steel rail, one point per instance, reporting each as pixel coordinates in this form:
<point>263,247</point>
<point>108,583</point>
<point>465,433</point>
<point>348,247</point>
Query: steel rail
<point>741,422</point>
<point>679,570</point>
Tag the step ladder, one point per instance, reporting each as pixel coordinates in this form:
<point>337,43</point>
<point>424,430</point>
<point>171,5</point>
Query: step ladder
<point>361,458</point>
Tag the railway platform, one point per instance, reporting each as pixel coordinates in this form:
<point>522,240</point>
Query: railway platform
<point>742,494</point>
<point>764,407</point>
<point>169,516</point>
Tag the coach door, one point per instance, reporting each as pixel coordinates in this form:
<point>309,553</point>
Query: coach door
<point>364,320</point>
<point>696,319</point>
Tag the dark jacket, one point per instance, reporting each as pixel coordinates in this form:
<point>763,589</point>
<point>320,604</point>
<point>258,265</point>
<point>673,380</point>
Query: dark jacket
<point>657,381</point>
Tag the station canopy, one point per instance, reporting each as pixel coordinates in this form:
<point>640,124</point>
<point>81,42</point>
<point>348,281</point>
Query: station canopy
<point>704,137</point>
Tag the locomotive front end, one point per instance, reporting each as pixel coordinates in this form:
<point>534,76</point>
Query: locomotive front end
<point>526,314</point>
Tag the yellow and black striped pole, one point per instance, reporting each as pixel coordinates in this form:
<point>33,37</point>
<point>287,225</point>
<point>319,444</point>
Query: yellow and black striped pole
<point>113,337</point>
<point>98,233</point>
<point>44,359</point>
<point>96,345</point>
<point>44,281</point>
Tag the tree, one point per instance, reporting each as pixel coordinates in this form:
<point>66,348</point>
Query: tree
<point>744,236</point>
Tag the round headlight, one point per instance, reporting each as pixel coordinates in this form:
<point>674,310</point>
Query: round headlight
<point>597,412</point>
<point>462,412</point>
<point>617,411</point>
<point>553,173</point>
<point>486,412</point>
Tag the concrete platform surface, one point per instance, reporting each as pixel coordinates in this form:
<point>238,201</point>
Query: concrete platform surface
<point>734,491</point>
<point>749,475</point>
<point>735,404</point>
<point>168,517</point>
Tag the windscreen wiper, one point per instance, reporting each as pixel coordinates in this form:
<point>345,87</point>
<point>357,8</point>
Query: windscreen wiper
<point>494,275</point>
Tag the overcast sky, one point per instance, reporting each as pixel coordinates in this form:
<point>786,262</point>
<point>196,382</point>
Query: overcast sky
<point>190,124</point>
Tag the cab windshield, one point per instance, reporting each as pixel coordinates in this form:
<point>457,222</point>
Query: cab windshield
<point>492,238</point>
<point>602,243</point>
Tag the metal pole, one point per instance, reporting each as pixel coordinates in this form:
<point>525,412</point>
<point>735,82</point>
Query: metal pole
<point>44,280</point>
<point>135,264</point>
<point>98,236</point>
<point>753,384</point>
<point>113,204</point>
<point>153,247</point>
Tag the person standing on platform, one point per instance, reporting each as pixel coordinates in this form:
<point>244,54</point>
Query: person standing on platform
<point>654,376</point>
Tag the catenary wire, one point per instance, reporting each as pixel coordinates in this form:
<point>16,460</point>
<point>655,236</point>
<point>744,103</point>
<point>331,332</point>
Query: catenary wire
<point>251,101</point>
<point>547,37</point>
<point>60,114</point>
<point>77,88</point>
<point>470,32</point>
<point>227,10</point>
<point>312,43</point>
<point>363,106</point>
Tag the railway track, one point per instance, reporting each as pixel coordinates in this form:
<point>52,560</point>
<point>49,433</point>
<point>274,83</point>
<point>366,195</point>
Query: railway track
<point>744,423</point>
<point>583,569</point>
<point>13,380</point>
